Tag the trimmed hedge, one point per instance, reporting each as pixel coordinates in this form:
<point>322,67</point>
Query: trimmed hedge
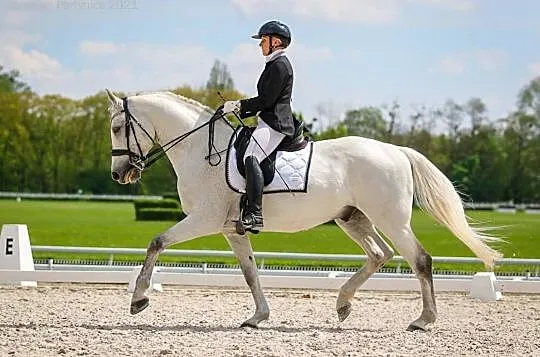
<point>171,196</point>
<point>165,203</point>
<point>158,210</point>
<point>159,214</point>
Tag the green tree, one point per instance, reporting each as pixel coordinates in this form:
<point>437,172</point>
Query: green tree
<point>393,123</point>
<point>367,122</point>
<point>16,149</point>
<point>522,137</point>
<point>476,111</point>
<point>521,140</point>
<point>529,98</point>
<point>333,132</point>
<point>11,81</point>
<point>481,169</point>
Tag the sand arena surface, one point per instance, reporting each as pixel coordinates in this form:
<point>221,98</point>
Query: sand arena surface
<point>94,320</point>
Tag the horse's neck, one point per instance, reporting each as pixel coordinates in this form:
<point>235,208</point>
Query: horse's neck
<point>174,119</point>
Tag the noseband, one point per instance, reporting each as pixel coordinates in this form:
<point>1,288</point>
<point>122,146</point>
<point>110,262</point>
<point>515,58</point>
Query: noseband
<point>140,161</point>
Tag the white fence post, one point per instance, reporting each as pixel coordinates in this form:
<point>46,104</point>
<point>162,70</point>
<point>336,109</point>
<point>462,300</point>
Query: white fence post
<point>483,287</point>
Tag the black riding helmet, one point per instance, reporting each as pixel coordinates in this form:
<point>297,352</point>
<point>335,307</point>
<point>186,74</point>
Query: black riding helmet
<point>275,28</point>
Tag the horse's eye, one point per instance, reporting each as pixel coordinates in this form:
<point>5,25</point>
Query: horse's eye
<point>116,129</point>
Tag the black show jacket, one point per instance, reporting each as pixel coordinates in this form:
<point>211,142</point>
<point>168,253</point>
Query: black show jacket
<point>273,102</point>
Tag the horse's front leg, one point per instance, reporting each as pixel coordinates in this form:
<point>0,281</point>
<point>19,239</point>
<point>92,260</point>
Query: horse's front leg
<point>241,246</point>
<point>191,227</point>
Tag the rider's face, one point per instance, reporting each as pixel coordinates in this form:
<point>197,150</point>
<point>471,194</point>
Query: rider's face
<point>265,45</point>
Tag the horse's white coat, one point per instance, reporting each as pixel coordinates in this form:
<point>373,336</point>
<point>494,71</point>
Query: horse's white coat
<point>359,182</point>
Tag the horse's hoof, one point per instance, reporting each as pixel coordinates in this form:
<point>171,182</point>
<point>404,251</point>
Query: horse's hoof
<point>344,311</point>
<point>413,327</point>
<point>250,324</point>
<point>138,306</point>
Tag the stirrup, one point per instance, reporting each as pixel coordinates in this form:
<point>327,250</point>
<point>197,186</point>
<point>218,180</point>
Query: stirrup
<point>249,222</point>
<point>252,221</point>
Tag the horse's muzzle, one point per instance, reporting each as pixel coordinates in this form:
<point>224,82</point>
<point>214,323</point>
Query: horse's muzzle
<point>129,175</point>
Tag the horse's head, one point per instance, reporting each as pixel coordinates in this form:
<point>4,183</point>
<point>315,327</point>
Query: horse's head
<point>132,137</point>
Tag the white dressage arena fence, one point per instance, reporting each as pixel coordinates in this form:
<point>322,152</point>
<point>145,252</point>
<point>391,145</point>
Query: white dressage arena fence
<point>17,253</point>
<point>75,196</point>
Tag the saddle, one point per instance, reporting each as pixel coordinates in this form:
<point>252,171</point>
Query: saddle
<point>295,143</point>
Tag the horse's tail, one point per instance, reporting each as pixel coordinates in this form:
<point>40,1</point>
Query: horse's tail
<point>436,195</point>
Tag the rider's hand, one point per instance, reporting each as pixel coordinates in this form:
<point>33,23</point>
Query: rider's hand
<point>231,106</point>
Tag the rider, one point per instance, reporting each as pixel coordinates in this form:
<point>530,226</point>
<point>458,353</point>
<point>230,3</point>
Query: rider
<point>272,106</point>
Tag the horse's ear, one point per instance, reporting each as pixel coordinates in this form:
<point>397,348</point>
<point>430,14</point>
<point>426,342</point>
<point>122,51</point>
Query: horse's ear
<point>113,98</point>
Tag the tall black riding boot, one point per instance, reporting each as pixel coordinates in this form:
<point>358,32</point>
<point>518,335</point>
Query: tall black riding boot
<point>252,217</point>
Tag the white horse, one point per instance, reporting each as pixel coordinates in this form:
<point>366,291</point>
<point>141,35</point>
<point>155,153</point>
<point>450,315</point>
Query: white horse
<point>360,183</point>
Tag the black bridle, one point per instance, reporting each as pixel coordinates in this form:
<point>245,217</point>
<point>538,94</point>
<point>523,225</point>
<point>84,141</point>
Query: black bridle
<point>140,161</point>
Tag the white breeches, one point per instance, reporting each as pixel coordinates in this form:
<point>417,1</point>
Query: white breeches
<point>263,142</point>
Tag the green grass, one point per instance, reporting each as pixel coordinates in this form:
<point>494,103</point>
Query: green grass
<point>101,224</point>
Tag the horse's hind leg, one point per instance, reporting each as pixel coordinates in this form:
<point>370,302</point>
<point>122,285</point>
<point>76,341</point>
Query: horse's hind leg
<point>420,261</point>
<point>360,229</point>
<point>241,246</point>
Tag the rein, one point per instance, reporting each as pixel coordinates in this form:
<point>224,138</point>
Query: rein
<point>141,162</point>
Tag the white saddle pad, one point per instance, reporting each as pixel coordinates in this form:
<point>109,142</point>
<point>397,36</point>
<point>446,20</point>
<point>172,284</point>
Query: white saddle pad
<point>292,170</point>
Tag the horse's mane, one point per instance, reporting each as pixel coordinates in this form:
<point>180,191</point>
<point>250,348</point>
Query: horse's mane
<point>179,98</point>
